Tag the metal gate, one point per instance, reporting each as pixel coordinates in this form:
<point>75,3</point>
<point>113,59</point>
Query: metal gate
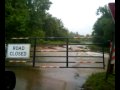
<point>68,50</point>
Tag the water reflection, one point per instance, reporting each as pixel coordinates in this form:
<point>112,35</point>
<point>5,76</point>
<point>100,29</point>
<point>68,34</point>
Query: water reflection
<point>26,77</point>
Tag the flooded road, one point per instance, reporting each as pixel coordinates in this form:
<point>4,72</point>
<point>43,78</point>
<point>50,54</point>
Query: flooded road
<point>51,78</point>
<point>29,78</point>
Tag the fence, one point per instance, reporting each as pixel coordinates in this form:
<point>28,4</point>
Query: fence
<point>68,50</point>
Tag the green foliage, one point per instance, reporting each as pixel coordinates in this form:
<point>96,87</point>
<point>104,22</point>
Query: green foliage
<point>16,16</point>
<point>37,13</point>
<point>95,48</point>
<point>55,42</point>
<point>28,18</point>
<point>53,27</point>
<point>97,82</point>
<point>104,27</point>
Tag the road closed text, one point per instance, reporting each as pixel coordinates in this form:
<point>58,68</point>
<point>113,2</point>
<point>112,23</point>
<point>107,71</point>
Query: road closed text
<point>18,51</point>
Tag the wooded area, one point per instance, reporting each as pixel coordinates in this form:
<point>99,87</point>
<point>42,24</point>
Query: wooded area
<point>104,27</point>
<point>29,18</point>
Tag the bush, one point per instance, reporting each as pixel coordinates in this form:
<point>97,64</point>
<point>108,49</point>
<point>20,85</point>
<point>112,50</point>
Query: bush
<point>97,48</point>
<point>97,82</point>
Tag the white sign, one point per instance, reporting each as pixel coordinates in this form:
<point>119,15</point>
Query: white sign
<point>20,51</point>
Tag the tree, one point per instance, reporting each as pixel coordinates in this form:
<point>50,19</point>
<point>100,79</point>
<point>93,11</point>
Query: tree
<point>103,27</point>
<point>16,16</point>
<point>54,27</point>
<point>28,18</point>
<point>37,14</point>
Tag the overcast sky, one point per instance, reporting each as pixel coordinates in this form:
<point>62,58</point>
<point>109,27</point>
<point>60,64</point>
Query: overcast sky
<point>77,15</point>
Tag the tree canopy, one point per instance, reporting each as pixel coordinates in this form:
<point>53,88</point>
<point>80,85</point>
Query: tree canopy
<point>29,18</point>
<point>16,16</point>
<point>104,27</point>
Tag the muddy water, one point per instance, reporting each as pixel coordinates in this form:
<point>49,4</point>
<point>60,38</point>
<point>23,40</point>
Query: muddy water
<point>51,78</point>
<point>45,79</point>
<point>29,78</point>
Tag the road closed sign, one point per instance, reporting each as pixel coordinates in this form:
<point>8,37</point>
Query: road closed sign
<point>18,51</point>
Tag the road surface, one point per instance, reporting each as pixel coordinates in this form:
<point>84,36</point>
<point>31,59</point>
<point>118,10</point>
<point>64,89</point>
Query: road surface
<point>29,78</point>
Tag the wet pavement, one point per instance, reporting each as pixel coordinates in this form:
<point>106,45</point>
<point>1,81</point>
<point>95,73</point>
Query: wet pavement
<point>51,78</point>
<point>29,78</point>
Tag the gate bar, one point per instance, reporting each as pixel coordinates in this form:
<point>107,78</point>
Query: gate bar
<point>67,52</point>
<point>72,56</point>
<point>103,59</point>
<point>34,53</point>
<point>65,62</point>
<point>82,67</point>
<point>65,67</point>
<point>76,44</point>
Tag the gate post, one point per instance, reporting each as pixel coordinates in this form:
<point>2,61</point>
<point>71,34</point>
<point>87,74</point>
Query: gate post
<point>110,66</point>
<point>34,53</point>
<point>67,52</point>
<point>112,58</point>
<point>103,57</point>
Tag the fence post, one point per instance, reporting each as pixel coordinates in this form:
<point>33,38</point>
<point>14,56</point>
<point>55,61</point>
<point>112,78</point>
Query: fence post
<point>6,46</point>
<point>34,53</point>
<point>112,62</point>
<point>67,52</point>
<point>110,66</point>
<point>103,58</point>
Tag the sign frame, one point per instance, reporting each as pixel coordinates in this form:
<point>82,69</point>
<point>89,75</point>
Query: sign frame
<point>10,45</point>
<point>112,10</point>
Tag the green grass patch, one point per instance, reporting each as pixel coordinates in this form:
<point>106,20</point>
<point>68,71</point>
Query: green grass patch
<point>97,82</point>
<point>97,48</point>
<point>55,42</point>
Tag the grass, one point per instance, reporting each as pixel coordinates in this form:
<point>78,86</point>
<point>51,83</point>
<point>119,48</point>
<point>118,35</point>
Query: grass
<point>97,82</point>
<point>97,48</point>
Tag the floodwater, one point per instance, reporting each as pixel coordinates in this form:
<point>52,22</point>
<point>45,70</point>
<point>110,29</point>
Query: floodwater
<point>29,78</point>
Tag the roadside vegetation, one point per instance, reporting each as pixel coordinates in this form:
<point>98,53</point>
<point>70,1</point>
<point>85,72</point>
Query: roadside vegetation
<point>97,82</point>
<point>29,18</point>
<point>95,48</point>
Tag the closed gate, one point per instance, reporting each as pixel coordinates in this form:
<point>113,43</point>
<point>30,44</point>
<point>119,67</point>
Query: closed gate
<point>64,54</point>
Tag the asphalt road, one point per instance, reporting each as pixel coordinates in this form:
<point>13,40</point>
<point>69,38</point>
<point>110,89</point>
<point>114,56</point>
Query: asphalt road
<point>29,78</point>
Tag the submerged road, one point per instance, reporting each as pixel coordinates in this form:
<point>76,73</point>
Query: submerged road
<point>29,78</point>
